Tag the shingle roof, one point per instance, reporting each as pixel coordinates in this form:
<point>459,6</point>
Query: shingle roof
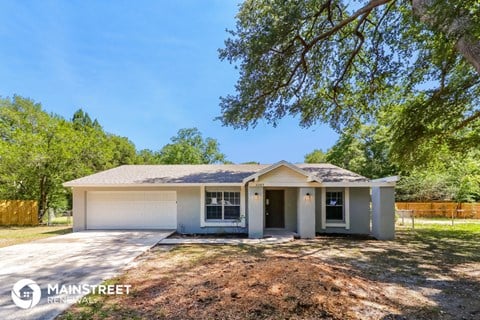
<point>199,174</point>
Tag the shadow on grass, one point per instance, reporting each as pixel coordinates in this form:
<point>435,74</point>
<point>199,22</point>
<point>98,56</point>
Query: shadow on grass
<point>427,258</point>
<point>442,260</point>
<point>59,231</point>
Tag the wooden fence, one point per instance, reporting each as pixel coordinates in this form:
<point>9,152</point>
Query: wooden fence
<point>441,209</point>
<point>18,212</point>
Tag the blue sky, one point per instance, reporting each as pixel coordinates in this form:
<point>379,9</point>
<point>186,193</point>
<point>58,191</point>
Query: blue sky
<point>144,69</point>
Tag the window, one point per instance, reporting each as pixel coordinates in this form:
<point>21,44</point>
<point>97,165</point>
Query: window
<point>222,205</point>
<point>334,205</point>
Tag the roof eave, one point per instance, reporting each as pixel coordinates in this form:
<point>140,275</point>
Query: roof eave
<point>149,185</point>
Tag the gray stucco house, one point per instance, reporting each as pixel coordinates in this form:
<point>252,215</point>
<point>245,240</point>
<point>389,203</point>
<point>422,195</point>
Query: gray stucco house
<point>302,198</point>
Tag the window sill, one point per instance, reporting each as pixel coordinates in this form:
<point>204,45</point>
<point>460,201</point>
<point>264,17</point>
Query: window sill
<point>336,224</point>
<point>226,223</point>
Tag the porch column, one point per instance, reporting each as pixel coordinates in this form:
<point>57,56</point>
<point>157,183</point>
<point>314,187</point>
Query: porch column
<point>255,212</point>
<point>383,217</point>
<point>306,212</point>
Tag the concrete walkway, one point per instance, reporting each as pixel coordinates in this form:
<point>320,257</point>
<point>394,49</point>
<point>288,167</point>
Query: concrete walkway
<point>88,257</point>
<point>270,237</point>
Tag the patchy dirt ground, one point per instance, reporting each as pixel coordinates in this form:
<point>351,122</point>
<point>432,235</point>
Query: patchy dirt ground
<point>421,275</point>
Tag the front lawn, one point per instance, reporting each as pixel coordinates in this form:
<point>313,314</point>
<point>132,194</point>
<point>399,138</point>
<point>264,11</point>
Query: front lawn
<point>15,235</point>
<point>432,272</point>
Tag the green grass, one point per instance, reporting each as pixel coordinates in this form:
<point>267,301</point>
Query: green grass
<point>441,230</point>
<point>15,235</point>
<point>60,220</point>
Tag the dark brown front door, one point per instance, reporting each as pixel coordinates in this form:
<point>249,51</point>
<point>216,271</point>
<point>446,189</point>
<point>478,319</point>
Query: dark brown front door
<point>274,209</point>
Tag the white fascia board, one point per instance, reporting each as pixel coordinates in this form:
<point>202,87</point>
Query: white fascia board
<point>286,184</point>
<point>387,179</point>
<point>358,184</point>
<point>152,185</point>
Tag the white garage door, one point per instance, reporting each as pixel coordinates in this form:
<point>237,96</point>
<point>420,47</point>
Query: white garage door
<point>131,210</point>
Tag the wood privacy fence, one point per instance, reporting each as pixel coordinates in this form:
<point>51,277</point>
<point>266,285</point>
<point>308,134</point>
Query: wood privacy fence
<point>441,209</point>
<point>18,212</point>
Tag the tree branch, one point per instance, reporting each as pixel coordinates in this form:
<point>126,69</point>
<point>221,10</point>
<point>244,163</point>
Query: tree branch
<point>366,9</point>
<point>307,46</point>
<point>355,52</point>
<point>467,121</point>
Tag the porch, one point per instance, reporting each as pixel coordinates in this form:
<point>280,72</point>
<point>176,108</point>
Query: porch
<point>310,210</point>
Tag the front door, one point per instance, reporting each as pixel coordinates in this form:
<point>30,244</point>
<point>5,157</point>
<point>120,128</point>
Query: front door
<point>274,209</point>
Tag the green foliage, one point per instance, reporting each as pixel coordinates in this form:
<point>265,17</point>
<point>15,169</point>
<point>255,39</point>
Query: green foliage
<point>189,147</point>
<point>365,150</point>
<point>146,156</point>
<point>346,65</point>
<point>40,151</point>
<point>316,156</point>
<point>457,178</point>
<point>34,157</point>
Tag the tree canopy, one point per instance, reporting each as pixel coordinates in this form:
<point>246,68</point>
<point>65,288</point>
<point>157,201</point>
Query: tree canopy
<point>316,156</point>
<point>40,151</point>
<point>345,62</point>
<point>442,175</point>
<point>189,147</point>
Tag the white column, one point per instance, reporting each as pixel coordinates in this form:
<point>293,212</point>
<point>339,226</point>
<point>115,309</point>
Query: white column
<point>306,212</point>
<point>347,208</point>
<point>323,209</point>
<point>255,212</point>
<point>383,217</point>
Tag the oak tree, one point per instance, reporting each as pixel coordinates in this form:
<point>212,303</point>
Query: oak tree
<point>341,62</point>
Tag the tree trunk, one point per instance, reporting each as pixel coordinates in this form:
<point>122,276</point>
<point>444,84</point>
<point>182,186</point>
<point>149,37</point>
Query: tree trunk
<point>42,206</point>
<point>458,29</point>
<point>470,51</point>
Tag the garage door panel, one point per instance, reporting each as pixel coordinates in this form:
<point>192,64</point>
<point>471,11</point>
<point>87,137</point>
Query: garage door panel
<point>131,210</point>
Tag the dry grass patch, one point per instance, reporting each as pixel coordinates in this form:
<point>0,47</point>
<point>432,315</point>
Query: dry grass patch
<point>15,235</point>
<point>424,274</point>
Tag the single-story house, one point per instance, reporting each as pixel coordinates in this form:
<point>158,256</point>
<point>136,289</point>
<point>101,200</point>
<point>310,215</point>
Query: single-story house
<point>302,198</point>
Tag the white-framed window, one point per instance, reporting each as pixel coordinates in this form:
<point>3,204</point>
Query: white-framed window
<point>334,206</point>
<point>222,205</point>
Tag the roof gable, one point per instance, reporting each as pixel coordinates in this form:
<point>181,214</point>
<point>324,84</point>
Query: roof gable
<point>281,171</point>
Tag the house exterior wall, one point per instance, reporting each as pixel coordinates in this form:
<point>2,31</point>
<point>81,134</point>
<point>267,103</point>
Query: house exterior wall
<point>360,210</point>
<point>188,209</point>
<point>305,220</point>
<point>359,206</point>
<point>78,209</point>
<point>383,213</point>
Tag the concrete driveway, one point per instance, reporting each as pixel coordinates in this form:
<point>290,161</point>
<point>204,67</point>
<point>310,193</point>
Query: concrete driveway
<point>72,260</point>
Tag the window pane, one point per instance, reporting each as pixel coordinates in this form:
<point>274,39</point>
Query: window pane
<point>339,198</point>
<point>232,198</point>
<point>334,198</point>
<point>214,198</point>
<point>334,213</point>
<point>229,202</point>
<point>214,212</point>
<point>232,212</point>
